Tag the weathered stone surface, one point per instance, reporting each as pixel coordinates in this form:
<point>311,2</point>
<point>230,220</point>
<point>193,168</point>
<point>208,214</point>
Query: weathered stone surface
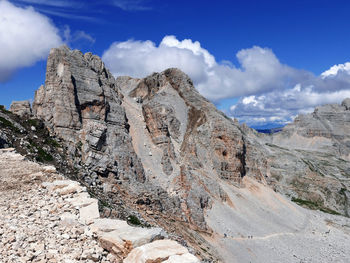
<point>325,130</point>
<point>159,251</point>
<point>21,108</point>
<point>83,105</point>
<point>41,224</point>
<point>80,104</point>
<point>87,214</point>
<point>36,224</point>
<point>309,158</point>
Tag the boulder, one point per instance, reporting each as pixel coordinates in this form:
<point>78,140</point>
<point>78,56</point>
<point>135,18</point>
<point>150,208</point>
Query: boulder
<point>21,108</point>
<point>161,251</point>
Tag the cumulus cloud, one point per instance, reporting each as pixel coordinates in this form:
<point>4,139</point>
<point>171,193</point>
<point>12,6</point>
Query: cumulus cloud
<point>26,36</point>
<point>282,106</point>
<point>268,91</point>
<point>140,58</point>
<point>260,69</point>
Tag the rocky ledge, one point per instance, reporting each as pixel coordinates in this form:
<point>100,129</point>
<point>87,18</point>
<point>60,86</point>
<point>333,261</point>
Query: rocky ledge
<point>46,218</point>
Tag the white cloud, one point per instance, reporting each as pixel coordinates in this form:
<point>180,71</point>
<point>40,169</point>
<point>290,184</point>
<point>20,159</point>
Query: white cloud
<point>260,69</point>
<point>269,91</point>
<point>282,106</point>
<point>77,36</point>
<point>131,5</point>
<point>26,36</point>
<point>336,69</point>
<point>140,58</point>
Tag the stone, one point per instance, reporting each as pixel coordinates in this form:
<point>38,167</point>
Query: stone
<point>184,258</point>
<point>80,200</point>
<point>89,213</point>
<point>21,108</point>
<point>157,251</point>
<point>108,225</point>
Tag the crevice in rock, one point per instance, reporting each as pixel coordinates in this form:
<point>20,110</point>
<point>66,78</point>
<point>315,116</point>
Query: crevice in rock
<point>242,158</point>
<point>76,100</point>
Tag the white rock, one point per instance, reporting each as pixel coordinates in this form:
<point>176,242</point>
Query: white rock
<point>69,189</point>
<point>108,225</point>
<point>184,258</point>
<point>80,200</point>
<point>139,236</point>
<point>89,213</point>
<point>49,169</point>
<point>156,250</point>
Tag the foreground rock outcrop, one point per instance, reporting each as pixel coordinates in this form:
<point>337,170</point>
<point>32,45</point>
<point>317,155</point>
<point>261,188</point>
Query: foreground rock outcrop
<point>51,219</point>
<point>21,108</point>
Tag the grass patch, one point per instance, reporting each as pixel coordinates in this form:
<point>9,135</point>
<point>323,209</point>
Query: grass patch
<point>7,124</point>
<point>134,220</point>
<point>329,211</point>
<point>104,203</point>
<point>342,191</point>
<point>52,142</point>
<point>43,156</point>
<point>33,122</point>
<point>314,206</point>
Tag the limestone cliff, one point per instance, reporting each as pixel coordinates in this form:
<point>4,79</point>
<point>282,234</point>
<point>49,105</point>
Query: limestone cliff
<point>157,149</point>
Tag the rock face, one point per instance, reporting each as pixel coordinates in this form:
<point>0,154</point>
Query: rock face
<point>21,108</point>
<point>325,130</point>
<point>181,126</point>
<point>309,158</point>
<point>159,148</point>
<point>80,104</point>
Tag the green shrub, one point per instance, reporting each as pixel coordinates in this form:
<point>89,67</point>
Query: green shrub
<point>7,124</point>
<point>134,220</point>
<point>52,142</point>
<point>43,156</point>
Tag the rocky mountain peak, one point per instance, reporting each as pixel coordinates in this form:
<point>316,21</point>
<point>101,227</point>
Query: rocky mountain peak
<point>154,148</point>
<point>80,104</point>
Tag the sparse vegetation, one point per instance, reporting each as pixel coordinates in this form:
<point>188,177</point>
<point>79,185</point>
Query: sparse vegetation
<point>134,220</point>
<point>314,206</point>
<point>52,142</point>
<point>7,124</point>
<point>79,145</point>
<point>342,191</point>
<point>43,155</point>
<point>33,122</point>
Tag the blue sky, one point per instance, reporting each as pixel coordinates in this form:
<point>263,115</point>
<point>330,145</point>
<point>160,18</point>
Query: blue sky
<point>259,61</point>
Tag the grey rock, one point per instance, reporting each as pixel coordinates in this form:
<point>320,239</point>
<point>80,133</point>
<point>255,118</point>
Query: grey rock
<point>80,104</point>
<point>21,108</point>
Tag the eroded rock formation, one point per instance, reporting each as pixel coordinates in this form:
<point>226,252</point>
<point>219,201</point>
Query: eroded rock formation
<point>21,108</point>
<point>157,148</point>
